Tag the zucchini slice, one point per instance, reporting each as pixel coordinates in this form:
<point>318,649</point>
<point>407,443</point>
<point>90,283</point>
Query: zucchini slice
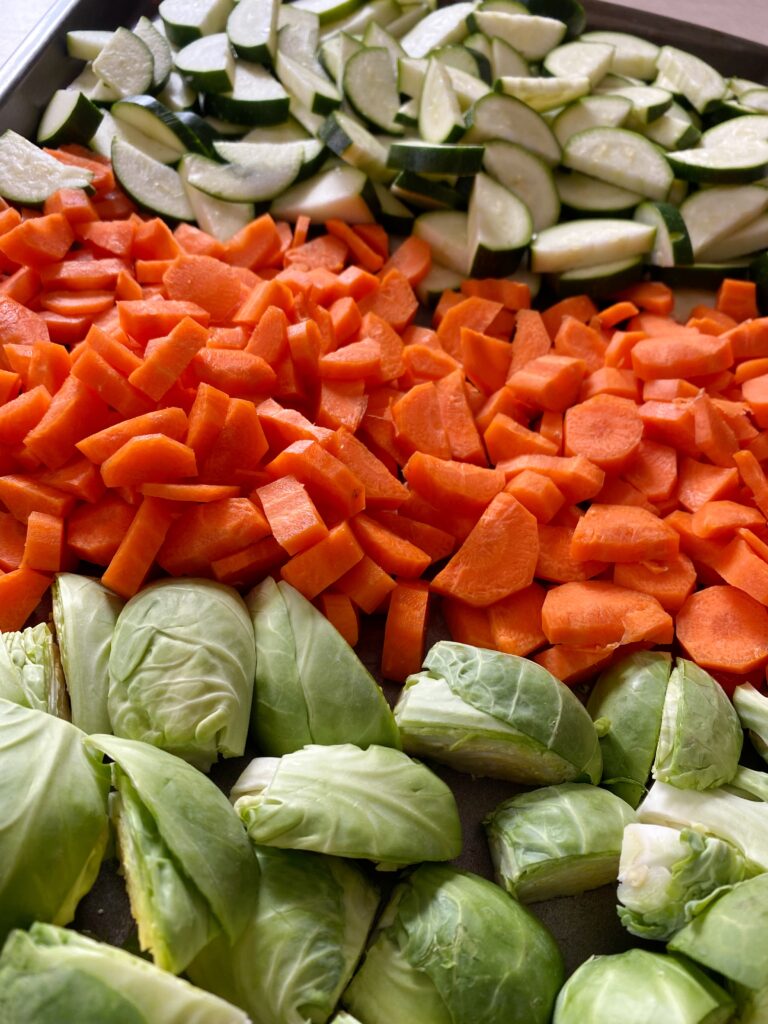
<point>185,20</point>
<point>499,228</point>
<point>150,183</point>
<point>208,63</point>
<point>439,28</point>
<point>256,98</point>
<point>576,59</point>
<point>340,193</point>
<point>528,177</point>
<point>672,244</point>
<point>435,158</point>
<point>29,176</point>
<point>69,117</point>
<point>125,64</point>
<point>252,30</point>
<point>591,112</point>
<point>713,214</point>
<point>440,118</point>
<point>447,233</point>
<point>503,117</point>
<point>589,243</point>
<point>158,46</point>
<point>356,146</point>
<point>255,182</point>
<point>370,87</point>
<point>621,158</point>
<point>588,195</point>
<point>632,55</point>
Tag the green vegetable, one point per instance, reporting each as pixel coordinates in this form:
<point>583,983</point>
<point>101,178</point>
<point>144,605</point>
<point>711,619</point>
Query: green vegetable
<point>302,944</point>
<point>748,783</point>
<point>557,841</point>
<point>181,670</point>
<point>85,614</point>
<point>637,987</point>
<point>30,674</point>
<point>452,948</point>
<point>189,867</point>
<point>375,804</point>
<point>701,738</point>
<point>51,975</point>
<point>53,818</point>
<point>497,714</point>
<point>626,705</point>
<point>752,709</point>
<point>310,685</point>
<point>666,876</point>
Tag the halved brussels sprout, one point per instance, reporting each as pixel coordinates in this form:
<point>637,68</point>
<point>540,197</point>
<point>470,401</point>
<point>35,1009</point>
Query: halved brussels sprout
<point>637,987</point>
<point>30,673</point>
<point>497,714</point>
<point>752,709</point>
<point>626,705</point>
<point>557,841</point>
<point>53,818</point>
<point>189,868</point>
<point>181,669</point>
<point>701,737</point>
<point>52,975</point>
<point>452,948</point>
<point>666,876</point>
<point>85,614</point>
<point>302,944</point>
<point>310,687</point>
<point>375,804</point>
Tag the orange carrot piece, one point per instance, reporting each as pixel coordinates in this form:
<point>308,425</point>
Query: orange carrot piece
<point>94,531</point>
<point>78,477</point>
<point>549,382</point>
<point>144,319</point>
<point>457,419</point>
<point>169,357</point>
<point>284,426</point>
<point>460,486</point>
<point>341,403</point>
<point>531,339</point>
<point>324,251</point>
<point>129,566</point>
<point>110,236</point>
<point>413,258</point>
<point>99,446</point>
<point>205,281</point>
<point>537,493</point>
<point>148,458</point>
<point>712,434</point>
<point>23,495</point>
<point>750,339</point>
<point>114,349</point>
<point>382,489</point>
<point>671,581</point>
<point>468,625</point>
<point>363,254</point>
<point>580,341</point>
<point>203,534</point>
<point>10,383</point>
<point>754,478</point>
<point>153,240</point>
<point>44,545</point>
<point>681,356</point>
<point>596,613</point>
<point>12,536</point>
<point>196,242</point>
<point>653,470</point>
<point>671,423</point>
<point>39,241</point>
<point>88,304</point>
<point>605,429</point>
<point>341,614</point>
<point>335,489</point>
<point>250,565</point>
<point>83,275</point>
<point>293,519</point>
<point>472,313</point>
<point>498,557</point>
<point>513,295</point>
<point>577,477</point>
<point>393,553</point>
<point>22,414</point>
<point>610,380</point>
<point>405,630</point>
<point>366,584</point>
<point>202,493</point>
<point>305,346</point>
<point>320,566</point>
<point>109,385</point>
<point>616,533</point>
<point>358,282</point>
<point>721,518</point>
<point>486,360</point>
<point>555,561</point>
<point>234,371</point>
<point>393,301</point>
<point>357,360</point>
<point>755,393</point>
<point>437,543</point>
<point>668,390</point>
<point>573,665</point>
<point>300,230</point>
<point>740,566</point>
<point>19,325</point>
<point>619,351</point>
<point>424,362</point>
<point>516,621</point>
<point>20,592</point>
<point>737,299</point>
<point>390,345</point>
<point>418,423</point>
<point>722,628</point>
<point>619,311</point>
<point>505,438</point>
<point>346,318</point>
<point>652,296</point>
<point>264,296</point>
<point>239,447</point>
<point>580,307</point>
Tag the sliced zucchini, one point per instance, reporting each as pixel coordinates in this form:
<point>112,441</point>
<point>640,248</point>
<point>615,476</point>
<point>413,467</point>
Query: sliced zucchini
<point>330,10</point>
<point>499,228</point>
<point>672,244</point>
<point>691,77</point>
<point>208,63</point>
<point>252,30</point>
<point>435,158</point>
<point>341,193</point>
<point>631,55</point>
<point>591,112</point>
<point>370,87</point>
<point>505,60</point>
<point>703,276</point>
<point>356,146</point>
<point>383,12</point>
<point>298,35</point>
<point>29,176</point>
<point>125,64</point>
<point>507,6</point>
<point>447,233</point>
<point>335,53</point>
<point>216,216</point>
<point>257,98</point>
<point>570,12</point>
<point>528,177</point>
<point>584,194</point>
<point>621,158</point>
<point>177,94</point>
<point>312,123</point>
<point>757,100</point>
<point>288,131</point>
<point>728,165</point>
<point>530,35</point>
<point>438,280</point>
<point>317,93</point>
<point>440,27</point>
<point>157,45</point>
<point>738,86</point>
<point>440,117</point>
<point>542,94</point>
<point>752,238</point>
<point>602,281</point>
<point>577,59</point>
<point>252,154</point>
<point>737,132</point>
<point>199,132</point>
<point>410,18</point>
<point>112,127</point>
<point>87,44</point>
<point>258,181</point>
<point>412,72</point>
<point>224,129</point>
<point>648,102</point>
<point>503,117</point>
<point>408,114</point>
<point>462,58</point>
<point>69,117</point>
<point>713,214</point>
<point>589,243</point>
<point>149,116</point>
<point>103,93</point>
<point>426,193</point>
<point>376,36</point>
<point>185,20</point>
<point>150,183</point>
<point>391,213</point>
<point>673,130</point>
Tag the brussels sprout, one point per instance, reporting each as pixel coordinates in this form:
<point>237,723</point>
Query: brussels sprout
<point>189,867</point>
<point>497,714</point>
<point>52,975</point>
<point>452,948</point>
<point>302,944</point>
<point>181,670</point>
<point>741,822</point>
<point>728,936</point>
<point>701,738</point>
<point>30,674</point>
<point>375,804</point>
<point>85,614</point>
<point>752,709</point>
<point>666,876</point>
<point>311,687</point>
<point>53,818</point>
<point>626,704</point>
<point>557,841</point>
<point>637,987</point>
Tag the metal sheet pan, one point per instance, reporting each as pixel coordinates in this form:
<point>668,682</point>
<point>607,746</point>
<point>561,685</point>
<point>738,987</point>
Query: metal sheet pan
<point>583,925</point>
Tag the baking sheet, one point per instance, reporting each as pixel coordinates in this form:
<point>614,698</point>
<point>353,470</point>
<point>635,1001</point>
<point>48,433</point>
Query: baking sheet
<point>583,925</point>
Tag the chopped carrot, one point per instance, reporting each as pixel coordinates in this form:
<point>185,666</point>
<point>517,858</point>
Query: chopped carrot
<point>537,493</point>
<point>614,533</point>
<point>366,584</point>
<point>20,592</point>
<point>205,533</point>
<point>291,514</point>
<point>100,445</point>
<point>154,458</point>
<point>382,489</point>
<point>516,621</point>
<point>341,614</point>
<point>737,299</point>
<point>138,548</point>
<point>205,281</point>
<point>596,613</point>
<point>330,483</point>
<point>319,567</point>
<point>721,627</point>
<point>393,553</point>
<point>12,534</point>
<point>460,486</point>
<point>39,241</point>
<point>45,542</point>
<point>457,419</point>
<point>413,258</point>
<point>573,665</point>
<point>580,307</point>
<point>405,630</point>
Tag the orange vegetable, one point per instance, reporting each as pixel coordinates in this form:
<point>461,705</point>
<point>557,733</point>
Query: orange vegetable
<point>405,630</point>
<point>291,514</point>
<point>202,534</point>
<point>20,592</point>
<point>605,429</point>
<point>616,533</point>
<point>516,621</point>
<point>597,613</point>
<point>671,582</point>
<point>319,567</point>
<point>393,553</point>
<point>342,615</point>
<point>138,547</point>
<point>44,544</point>
<point>366,584</point>
<point>721,627</point>
<point>148,457</point>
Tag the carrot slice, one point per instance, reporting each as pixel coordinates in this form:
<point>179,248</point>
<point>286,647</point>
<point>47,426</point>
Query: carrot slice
<point>671,582</point>
<point>22,414</point>
<point>206,281</point>
<point>139,546</point>
<point>405,630</point>
<point>12,535</point>
<point>38,241</point>
<point>320,566</point>
<point>293,519</point>
<point>202,534</point>
<point>548,382</point>
<point>341,614</point>
<point>148,458</point>
<point>44,546</point>
<point>99,446</point>
<point>20,592</point>
<point>616,533</point>
<point>605,429</point>
<point>393,553</point>
<point>597,613</point>
<point>463,487</point>
<point>382,488</point>
<point>537,493</point>
<point>720,518</point>
<point>556,562</point>
<point>23,495</point>
<point>366,584</point>
<point>516,621</point>
<point>573,665</point>
<point>722,628</point>
<point>330,483</point>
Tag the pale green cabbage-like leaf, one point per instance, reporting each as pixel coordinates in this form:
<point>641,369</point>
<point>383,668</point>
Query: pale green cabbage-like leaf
<point>344,1018</point>
<point>748,783</point>
<point>728,935</point>
<point>666,877</point>
<point>190,868</point>
<point>30,673</point>
<point>741,822</point>
<point>701,737</point>
<point>310,686</point>
<point>53,818</point>
<point>375,804</point>
<point>181,669</point>
<point>557,841</point>
<point>752,709</point>
<point>85,614</point>
<point>626,704</point>
<point>453,948</point>
<point>638,987</point>
<point>752,1004</point>
<point>520,722</point>
<point>52,975</point>
<point>302,944</point>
